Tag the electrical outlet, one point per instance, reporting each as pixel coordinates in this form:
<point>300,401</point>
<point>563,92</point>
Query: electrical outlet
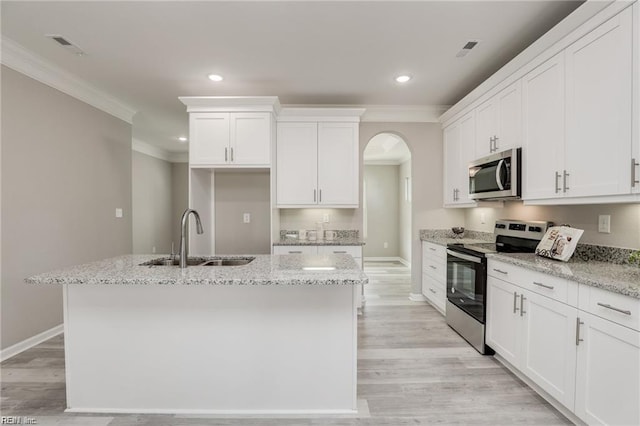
<point>325,218</point>
<point>246,218</point>
<point>483,218</point>
<point>386,244</point>
<point>118,213</point>
<point>604,223</point>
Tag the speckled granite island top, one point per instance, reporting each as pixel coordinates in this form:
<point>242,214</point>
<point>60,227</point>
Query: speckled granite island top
<point>621,279</point>
<point>336,242</point>
<point>335,269</point>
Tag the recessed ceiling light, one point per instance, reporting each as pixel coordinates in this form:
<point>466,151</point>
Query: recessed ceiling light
<point>182,139</point>
<point>215,77</point>
<point>403,78</point>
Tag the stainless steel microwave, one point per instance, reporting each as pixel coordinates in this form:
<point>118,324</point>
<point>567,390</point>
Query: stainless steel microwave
<point>496,177</point>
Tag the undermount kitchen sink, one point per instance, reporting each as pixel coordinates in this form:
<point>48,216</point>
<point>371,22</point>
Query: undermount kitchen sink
<point>201,261</point>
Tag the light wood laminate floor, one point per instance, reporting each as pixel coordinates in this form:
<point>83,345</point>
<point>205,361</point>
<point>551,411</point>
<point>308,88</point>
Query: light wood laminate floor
<point>412,370</point>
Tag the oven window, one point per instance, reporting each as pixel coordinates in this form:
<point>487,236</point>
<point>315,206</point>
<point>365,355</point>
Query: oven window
<point>466,286</point>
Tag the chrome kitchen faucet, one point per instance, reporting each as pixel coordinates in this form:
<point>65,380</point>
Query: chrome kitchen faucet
<point>184,234</point>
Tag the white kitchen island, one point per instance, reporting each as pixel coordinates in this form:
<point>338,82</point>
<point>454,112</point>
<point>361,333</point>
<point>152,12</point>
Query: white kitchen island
<point>276,336</point>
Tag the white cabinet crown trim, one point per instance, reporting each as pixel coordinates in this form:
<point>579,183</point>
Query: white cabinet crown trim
<point>231,103</point>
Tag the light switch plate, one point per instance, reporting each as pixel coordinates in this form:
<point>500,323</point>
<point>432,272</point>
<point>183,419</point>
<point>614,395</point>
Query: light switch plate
<point>604,223</point>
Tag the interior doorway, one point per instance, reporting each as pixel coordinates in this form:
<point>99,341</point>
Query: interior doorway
<point>387,190</point>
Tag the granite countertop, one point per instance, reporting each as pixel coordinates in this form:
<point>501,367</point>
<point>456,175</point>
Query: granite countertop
<point>623,279</point>
<point>285,241</point>
<point>444,237</point>
<point>263,270</point>
<point>441,241</point>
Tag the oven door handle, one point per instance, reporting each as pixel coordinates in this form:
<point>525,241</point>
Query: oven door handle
<point>464,256</point>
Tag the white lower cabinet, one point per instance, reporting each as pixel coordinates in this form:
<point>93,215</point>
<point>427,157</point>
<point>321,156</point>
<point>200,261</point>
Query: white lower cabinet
<point>585,357</point>
<point>434,275</point>
<point>608,373</point>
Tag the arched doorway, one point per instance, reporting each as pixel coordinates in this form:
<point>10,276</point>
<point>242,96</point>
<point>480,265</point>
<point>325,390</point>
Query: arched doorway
<point>387,201</point>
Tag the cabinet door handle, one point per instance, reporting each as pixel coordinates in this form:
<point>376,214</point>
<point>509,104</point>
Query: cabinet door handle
<point>432,267</point>
<point>226,155</point>
<point>232,155</point>
<point>550,287</point>
<point>432,249</point>
<point>557,179</point>
<point>522,298</point>
<point>515,302</point>
<point>578,324</point>
<point>634,177</point>
<point>314,195</point>
<point>501,272</point>
<point>320,198</point>
<point>495,143</point>
<point>613,308</point>
<point>564,181</point>
<point>339,251</point>
<point>295,252</point>
<point>432,290</point>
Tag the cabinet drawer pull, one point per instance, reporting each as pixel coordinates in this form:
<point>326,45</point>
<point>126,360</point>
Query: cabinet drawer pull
<point>295,252</point>
<point>432,249</point>
<point>432,267</point>
<point>550,287</point>
<point>515,302</point>
<point>501,272</point>
<point>432,290</point>
<point>578,324</point>
<point>613,308</point>
<point>522,312</point>
<point>339,251</point>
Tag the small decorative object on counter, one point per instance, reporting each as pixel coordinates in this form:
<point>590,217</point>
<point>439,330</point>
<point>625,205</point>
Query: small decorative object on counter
<point>329,235</point>
<point>458,231</point>
<point>311,235</point>
<point>634,258</point>
<point>559,242</point>
<point>302,234</point>
<point>319,230</point>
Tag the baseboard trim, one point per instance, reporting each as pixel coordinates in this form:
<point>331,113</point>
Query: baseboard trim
<point>417,297</point>
<point>388,259</point>
<point>19,347</point>
<point>551,400</point>
<point>221,413</point>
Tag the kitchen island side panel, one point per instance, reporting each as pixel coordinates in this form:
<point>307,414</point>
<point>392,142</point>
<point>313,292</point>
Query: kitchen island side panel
<point>211,349</point>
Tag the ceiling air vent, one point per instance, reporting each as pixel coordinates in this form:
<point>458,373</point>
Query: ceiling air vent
<point>467,47</point>
<point>66,44</point>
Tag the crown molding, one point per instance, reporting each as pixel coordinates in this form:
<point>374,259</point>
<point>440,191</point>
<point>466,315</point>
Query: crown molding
<point>232,103</point>
<point>403,113</point>
<point>21,60</point>
<point>159,153</point>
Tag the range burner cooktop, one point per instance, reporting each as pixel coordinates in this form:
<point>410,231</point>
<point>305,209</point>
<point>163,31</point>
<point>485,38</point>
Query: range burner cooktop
<point>482,248</point>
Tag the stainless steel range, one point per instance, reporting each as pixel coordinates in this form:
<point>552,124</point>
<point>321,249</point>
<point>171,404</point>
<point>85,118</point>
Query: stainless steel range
<point>467,276</point>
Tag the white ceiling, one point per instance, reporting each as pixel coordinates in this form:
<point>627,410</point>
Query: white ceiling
<point>148,53</point>
<point>386,148</point>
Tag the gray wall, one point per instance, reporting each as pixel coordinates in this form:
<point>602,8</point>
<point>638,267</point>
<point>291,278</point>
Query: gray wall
<point>152,204</point>
<point>66,167</point>
<point>179,198</point>
<point>425,143</point>
<point>236,194</point>
<point>382,201</point>
<point>625,220</point>
<point>404,214</point>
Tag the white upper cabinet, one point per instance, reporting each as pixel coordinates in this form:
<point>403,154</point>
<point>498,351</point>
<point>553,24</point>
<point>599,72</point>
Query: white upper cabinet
<point>297,164</point>
<point>599,110</point>
<point>498,125</point>
<point>318,158</point>
<point>230,139</point>
<point>459,143</point>
<point>338,164</point>
<point>231,131</point>
<point>543,129</point>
